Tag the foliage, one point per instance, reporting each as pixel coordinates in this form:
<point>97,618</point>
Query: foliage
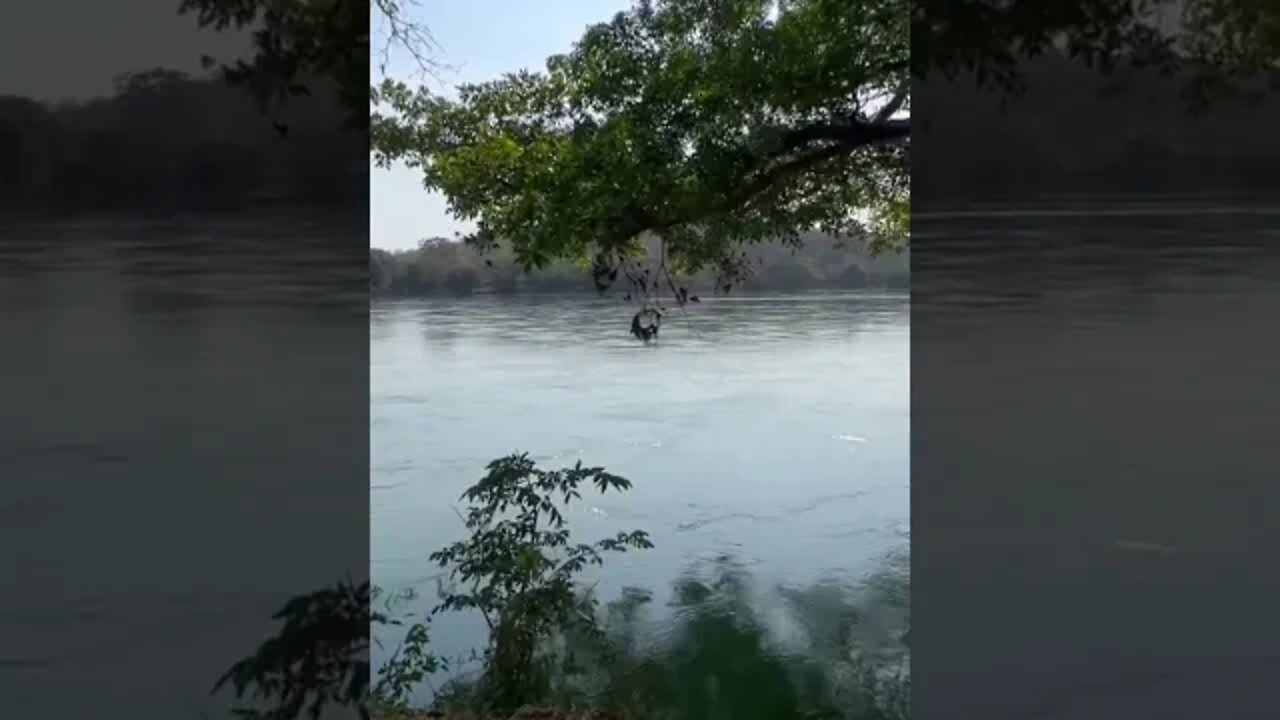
<point>167,141</point>
<point>820,262</point>
<point>555,647</point>
<point>519,571</point>
<point>291,38</point>
<point>717,655</point>
<point>991,37</point>
<point>709,123</point>
<point>519,566</point>
<point>409,665</point>
<point>1224,43</point>
<point>1236,44</point>
<point>294,40</point>
<point>318,659</point>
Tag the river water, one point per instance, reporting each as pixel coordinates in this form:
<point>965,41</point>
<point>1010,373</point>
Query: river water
<point>773,430</point>
<point>1093,460</point>
<point>182,419</point>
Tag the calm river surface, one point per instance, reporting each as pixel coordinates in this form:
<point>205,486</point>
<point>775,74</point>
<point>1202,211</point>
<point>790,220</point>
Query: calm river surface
<point>182,416</point>
<point>770,429</point>
<point>1094,461</point>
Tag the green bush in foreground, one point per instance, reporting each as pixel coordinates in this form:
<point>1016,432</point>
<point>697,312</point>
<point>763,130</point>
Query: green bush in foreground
<point>718,656</point>
<point>554,646</point>
<point>518,570</point>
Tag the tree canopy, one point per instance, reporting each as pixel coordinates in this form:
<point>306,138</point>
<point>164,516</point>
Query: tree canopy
<point>709,123</point>
<point>715,123</point>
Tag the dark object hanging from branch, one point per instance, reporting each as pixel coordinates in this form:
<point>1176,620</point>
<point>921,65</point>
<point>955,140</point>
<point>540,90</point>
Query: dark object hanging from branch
<point>645,324</point>
<point>604,272</point>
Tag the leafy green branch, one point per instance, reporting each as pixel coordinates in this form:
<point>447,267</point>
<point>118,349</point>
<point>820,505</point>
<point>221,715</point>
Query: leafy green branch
<point>519,566</point>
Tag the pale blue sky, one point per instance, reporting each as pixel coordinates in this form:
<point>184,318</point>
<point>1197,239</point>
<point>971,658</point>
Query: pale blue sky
<point>480,39</point>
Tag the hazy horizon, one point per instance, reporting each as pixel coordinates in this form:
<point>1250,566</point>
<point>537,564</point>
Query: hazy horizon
<point>163,39</point>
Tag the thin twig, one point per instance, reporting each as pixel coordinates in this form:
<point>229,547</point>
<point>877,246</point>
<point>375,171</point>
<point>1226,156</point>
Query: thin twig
<point>413,37</point>
<point>680,299</point>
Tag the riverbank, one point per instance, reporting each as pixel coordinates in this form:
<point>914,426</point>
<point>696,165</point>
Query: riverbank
<point>448,268</point>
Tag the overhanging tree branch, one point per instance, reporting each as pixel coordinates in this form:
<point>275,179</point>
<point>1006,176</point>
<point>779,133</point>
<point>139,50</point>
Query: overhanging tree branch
<point>708,132</point>
<point>784,171</point>
<point>851,133</point>
<point>841,139</point>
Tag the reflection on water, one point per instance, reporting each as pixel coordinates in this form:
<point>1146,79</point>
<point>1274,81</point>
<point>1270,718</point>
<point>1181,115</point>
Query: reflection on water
<point>773,429</point>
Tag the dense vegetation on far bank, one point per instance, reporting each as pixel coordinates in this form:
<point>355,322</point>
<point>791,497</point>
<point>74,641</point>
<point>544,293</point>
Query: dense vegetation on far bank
<point>439,267</point>
<point>168,142</point>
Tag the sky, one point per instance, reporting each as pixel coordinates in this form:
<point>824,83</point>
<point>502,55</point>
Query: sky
<point>480,40</point>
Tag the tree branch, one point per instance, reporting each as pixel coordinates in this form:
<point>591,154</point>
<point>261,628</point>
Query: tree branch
<point>842,139</point>
<point>782,171</point>
<point>852,133</point>
<point>799,150</point>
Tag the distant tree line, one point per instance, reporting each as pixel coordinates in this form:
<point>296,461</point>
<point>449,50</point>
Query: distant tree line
<point>167,141</point>
<point>1078,130</point>
<point>441,267</point>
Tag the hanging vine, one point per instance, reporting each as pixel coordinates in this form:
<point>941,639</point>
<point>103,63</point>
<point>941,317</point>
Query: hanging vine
<point>655,288</point>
